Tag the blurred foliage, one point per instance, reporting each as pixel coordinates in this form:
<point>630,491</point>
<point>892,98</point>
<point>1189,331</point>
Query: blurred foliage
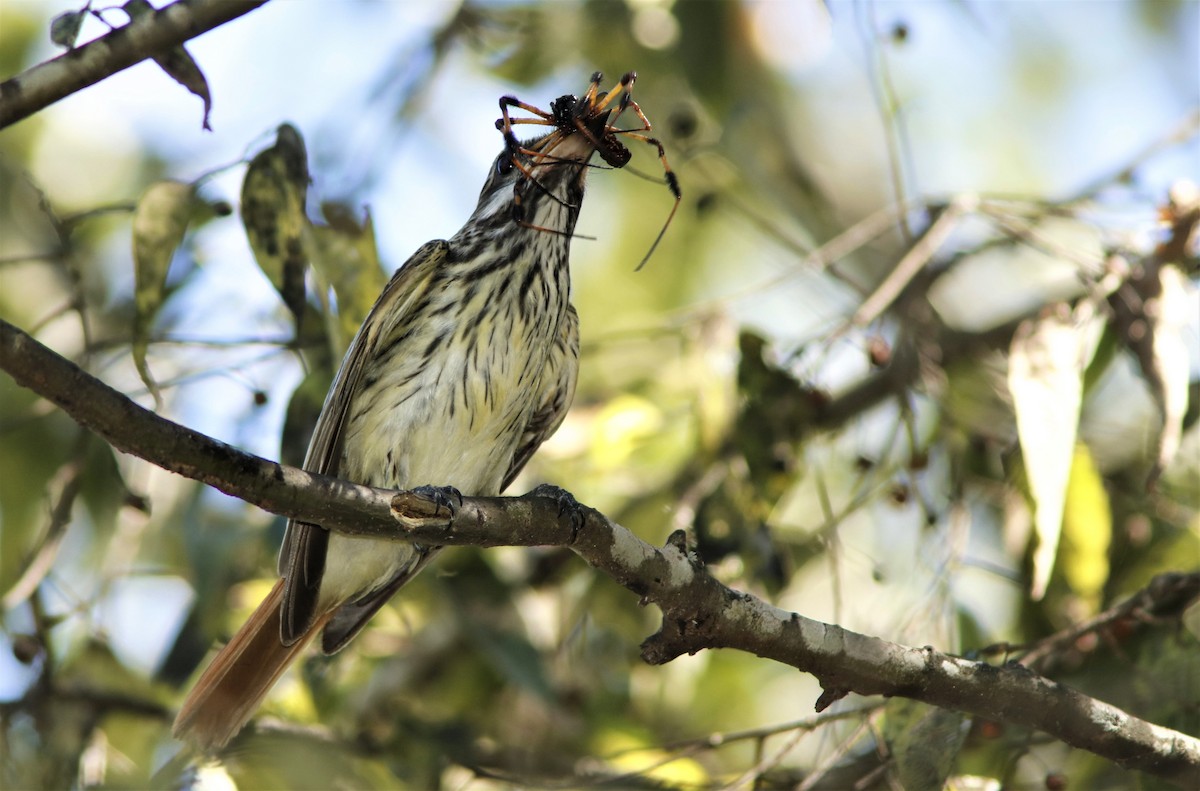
<point>873,475</point>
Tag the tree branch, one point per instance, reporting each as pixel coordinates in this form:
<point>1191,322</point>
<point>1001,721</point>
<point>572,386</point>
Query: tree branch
<point>42,85</point>
<point>699,612</point>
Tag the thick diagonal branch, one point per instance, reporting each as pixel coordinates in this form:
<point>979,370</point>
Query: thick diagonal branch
<point>145,37</point>
<point>699,612</point>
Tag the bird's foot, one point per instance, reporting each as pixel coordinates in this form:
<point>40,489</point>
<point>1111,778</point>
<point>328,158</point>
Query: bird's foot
<point>427,506</point>
<point>568,506</point>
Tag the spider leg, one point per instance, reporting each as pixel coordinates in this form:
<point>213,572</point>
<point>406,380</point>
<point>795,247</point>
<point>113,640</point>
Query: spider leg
<point>672,182</point>
<point>624,86</point>
<point>512,101</point>
<point>515,148</point>
<point>589,98</point>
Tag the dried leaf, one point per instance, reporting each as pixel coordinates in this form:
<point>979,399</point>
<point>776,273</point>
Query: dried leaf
<point>1151,312</point>
<point>177,62</point>
<point>274,192</point>
<point>1045,377</point>
<point>1167,369</point>
<point>159,223</point>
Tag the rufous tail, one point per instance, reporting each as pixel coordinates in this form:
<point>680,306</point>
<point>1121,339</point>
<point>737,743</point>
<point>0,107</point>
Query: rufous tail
<point>239,677</point>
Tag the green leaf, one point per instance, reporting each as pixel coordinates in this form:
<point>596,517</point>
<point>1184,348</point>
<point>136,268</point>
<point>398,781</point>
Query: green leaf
<point>304,408</point>
<point>1086,531</point>
<point>159,223</point>
<point>273,197</point>
<point>346,259</point>
<point>514,658</point>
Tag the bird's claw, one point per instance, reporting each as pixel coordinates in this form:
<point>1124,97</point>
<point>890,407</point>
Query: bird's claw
<point>568,506</point>
<point>427,506</point>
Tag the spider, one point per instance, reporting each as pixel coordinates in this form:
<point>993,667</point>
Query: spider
<point>593,117</point>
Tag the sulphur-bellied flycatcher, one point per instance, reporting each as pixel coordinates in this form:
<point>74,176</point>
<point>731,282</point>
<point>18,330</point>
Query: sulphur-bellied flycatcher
<point>465,364</point>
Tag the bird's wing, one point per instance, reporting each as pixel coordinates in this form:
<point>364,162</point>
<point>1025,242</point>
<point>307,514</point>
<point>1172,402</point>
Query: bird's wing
<point>557,394</point>
<point>302,556</point>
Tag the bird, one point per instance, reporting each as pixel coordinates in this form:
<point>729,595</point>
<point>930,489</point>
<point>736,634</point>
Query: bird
<point>466,363</point>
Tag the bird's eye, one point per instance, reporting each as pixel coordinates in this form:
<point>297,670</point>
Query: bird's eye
<point>504,165</point>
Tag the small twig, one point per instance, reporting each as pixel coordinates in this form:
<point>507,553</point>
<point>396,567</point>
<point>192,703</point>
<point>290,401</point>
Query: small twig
<point>831,760</point>
<point>1166,594</point>
<point>43,560</point>
<point>42,85</point>
<point>921,252</point>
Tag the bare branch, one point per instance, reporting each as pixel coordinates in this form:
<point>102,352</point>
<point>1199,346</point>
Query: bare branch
<point>699,612</point>
<point>42,85</point>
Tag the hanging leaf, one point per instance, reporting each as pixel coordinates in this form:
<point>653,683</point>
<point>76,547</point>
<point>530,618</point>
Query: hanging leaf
<point>304,408</point>
<point>274,192</point>
<point>159,223</point>
<point>177,62</point>
<point>346,259</point>
<point>1167,373</point>
<point>1086,531</point>
<point>64,28</point>
<point>1045,377</point>
<point>925,742</point>
<point>1151,310</point>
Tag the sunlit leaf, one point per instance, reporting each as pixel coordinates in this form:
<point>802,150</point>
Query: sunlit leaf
<point>159,223</point>
<point>1191,619</point>
<point>177,62</point>
<point>1045,376</point>
<point>1086,531</point>
<point>281,760</point>
<point>641,757</point>
<point>622,425</point>
<point>273,197</point>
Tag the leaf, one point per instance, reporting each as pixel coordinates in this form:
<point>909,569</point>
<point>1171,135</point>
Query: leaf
<point>182,67</point>
<point>1168,366</point>
<point>925,742</point>
<point>1045,377</point>
<point>64,28</point>
<point>159,223</point>
<point>514,658</point>
<point>274,192</point>
<point>1150,313</point>
<point>1086,531</point>
<point>177,62</point>
<point>345,257</point>
<point>304,408</point>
